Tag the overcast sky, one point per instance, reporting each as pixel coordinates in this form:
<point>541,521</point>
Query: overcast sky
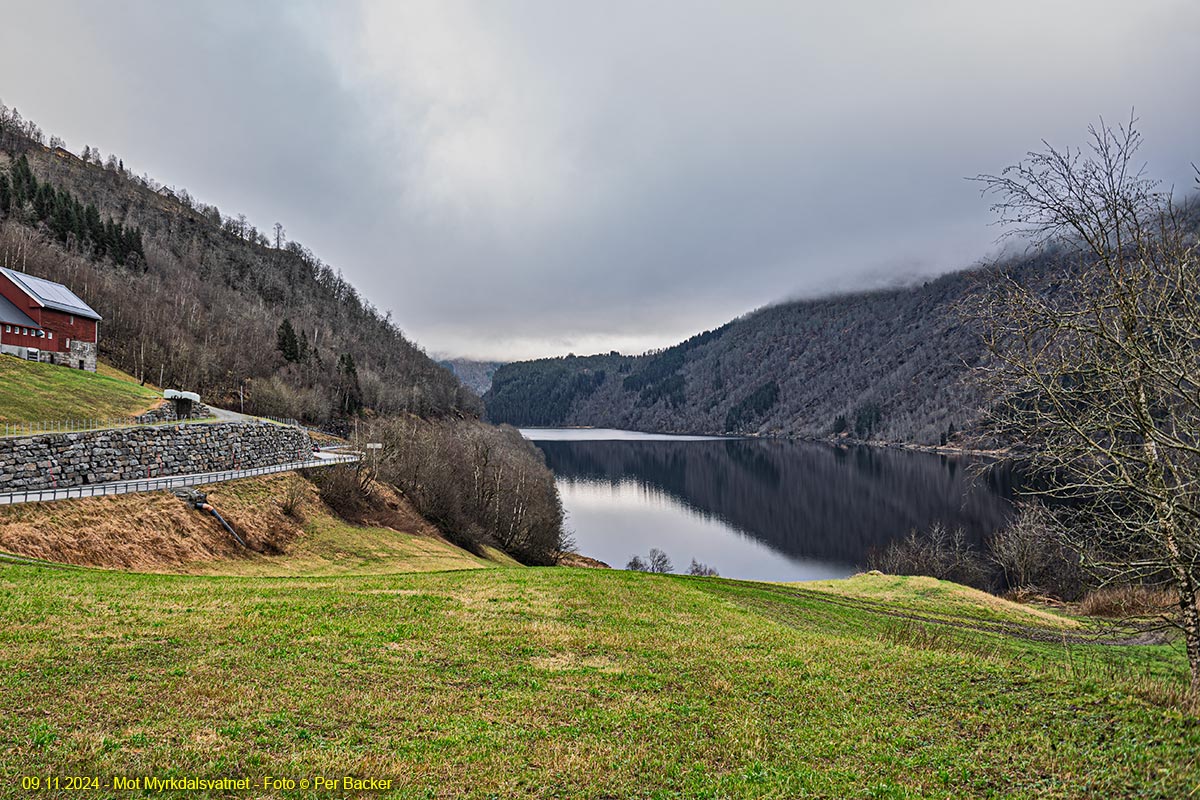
<point>524,179</point>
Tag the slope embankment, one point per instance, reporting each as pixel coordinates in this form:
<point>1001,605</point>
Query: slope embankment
<point>31,391</point>
<point>288,528</point>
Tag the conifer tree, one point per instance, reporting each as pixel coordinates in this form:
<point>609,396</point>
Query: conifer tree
<point>286,343</point>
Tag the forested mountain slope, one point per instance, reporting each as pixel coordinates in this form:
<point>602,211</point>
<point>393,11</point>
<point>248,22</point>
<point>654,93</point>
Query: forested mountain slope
<point>201,301</point>
<point>885,365</point>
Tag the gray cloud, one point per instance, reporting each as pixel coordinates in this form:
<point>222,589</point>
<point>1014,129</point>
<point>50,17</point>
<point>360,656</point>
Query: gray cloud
<point>526,179</point>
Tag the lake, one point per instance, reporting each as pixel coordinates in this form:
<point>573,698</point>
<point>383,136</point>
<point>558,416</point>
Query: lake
<point>760,509</point>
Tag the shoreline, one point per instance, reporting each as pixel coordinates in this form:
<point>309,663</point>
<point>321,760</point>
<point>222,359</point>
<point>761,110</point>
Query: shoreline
<point>946,450</point>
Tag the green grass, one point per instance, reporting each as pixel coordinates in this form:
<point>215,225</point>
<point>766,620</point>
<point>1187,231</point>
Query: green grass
<point>33,391</point>
<point>331,546</point>
<point>573,683</point>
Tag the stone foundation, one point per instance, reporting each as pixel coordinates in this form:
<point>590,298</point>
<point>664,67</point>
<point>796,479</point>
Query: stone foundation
<point>82,355</point>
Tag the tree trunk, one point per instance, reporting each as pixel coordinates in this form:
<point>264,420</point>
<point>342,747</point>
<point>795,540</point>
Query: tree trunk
<point>1189,604</point>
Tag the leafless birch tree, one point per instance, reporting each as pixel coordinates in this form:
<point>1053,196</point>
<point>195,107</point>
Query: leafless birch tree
<point>1097,380</point>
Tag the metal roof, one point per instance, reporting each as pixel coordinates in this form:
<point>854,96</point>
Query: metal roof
<point>11,315</point>
<point>51,295</point>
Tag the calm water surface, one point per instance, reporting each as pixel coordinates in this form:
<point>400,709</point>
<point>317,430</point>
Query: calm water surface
<point>759,509</point>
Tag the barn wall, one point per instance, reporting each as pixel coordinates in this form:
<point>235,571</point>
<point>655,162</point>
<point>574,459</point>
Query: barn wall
<point>67,327</point>
<point>60,460</point>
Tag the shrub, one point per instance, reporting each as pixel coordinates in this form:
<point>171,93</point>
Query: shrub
<point>343,488</point>
<point>292,500</point>
<point>1135,600</point>
<point>1034,557</point>
<point>937,554</point>
<point>477,483</point>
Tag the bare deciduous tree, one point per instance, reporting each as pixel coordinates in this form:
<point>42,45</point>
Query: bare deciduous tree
<point>1033,556</point>
<point>659,561</point>
<point>1097,382</point>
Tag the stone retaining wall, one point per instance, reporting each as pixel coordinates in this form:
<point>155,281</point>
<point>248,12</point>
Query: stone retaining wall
<point>59,460</point>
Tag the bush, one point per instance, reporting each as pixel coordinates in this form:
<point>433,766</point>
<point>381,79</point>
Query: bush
<point>479,484</point>
<point>292,500</point>
<point>656,561</point>
<point>702,570</point>
<point>1129,601</point>
<point>343,488</point>
<point>1033,556</point>
<point>937,554</point>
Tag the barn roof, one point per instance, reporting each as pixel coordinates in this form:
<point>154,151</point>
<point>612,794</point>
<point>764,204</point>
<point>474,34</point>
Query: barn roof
<point>50,294</point>
<point>11,315</point>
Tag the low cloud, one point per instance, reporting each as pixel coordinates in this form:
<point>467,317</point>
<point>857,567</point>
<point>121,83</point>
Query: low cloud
<point>515,180</point>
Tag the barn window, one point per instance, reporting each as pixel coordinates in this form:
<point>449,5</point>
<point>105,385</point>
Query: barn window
<point>41,334</point>
<point>50,335</point>
<point>8,328</point>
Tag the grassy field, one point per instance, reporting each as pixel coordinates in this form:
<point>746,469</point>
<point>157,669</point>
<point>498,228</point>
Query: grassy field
<point>578,683</point>
<point>31,391</point>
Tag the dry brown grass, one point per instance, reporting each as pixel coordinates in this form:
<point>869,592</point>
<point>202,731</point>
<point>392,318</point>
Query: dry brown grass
<point>157,532</point>
<point>147,532</point>
<point>1120,602</point>
<point>579,560</point>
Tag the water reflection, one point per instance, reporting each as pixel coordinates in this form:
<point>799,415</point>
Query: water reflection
<point>767,510</point>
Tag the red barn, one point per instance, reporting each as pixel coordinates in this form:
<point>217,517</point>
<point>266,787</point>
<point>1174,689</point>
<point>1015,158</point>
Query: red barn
<point>41,320</point>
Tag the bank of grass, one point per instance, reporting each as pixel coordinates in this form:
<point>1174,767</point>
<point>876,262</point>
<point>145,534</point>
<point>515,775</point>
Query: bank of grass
<point>571,683</point>
<point>33,391</point>
<point>157,532</point>
<point>332,546</point>
<point>944,601</point>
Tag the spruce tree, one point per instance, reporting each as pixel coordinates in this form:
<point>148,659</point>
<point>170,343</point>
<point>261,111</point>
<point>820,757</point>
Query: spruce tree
<point>285,342</point>
<point>348,389</point>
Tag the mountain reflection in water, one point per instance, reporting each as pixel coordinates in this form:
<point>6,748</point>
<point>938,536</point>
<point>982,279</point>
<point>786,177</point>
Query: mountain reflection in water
<point>762,509</point>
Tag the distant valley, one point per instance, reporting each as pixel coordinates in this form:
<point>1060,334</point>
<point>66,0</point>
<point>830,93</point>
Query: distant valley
<point>475,375</point>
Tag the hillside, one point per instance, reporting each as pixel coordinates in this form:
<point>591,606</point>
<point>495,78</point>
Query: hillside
<point>198,300</point>
<point>581,683</point>
<point>892,364</point>
<point>34,391</point>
